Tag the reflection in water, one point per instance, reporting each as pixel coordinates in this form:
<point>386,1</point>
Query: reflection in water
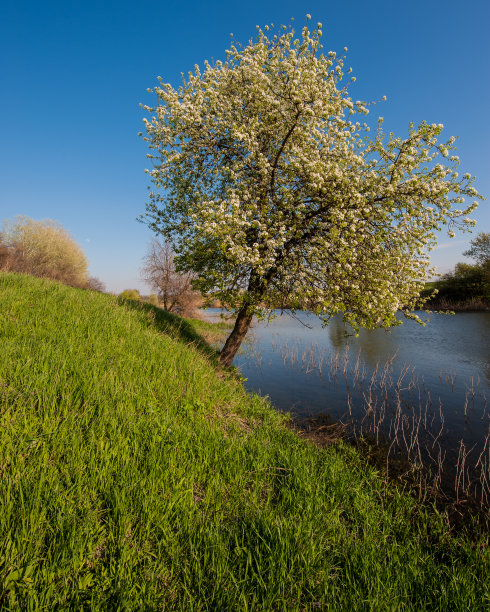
<point>376,345</point>
<point>337,333</point>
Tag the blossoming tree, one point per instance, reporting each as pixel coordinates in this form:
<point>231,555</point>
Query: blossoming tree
<point>274,194</point>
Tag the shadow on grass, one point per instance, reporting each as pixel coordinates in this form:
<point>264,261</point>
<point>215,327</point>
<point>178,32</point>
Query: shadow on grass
<point>173,325</point>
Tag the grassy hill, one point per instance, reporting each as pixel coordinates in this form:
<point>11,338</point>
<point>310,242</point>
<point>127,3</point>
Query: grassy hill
<point>137,475</point>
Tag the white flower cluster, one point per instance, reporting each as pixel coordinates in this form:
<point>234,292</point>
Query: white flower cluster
<point>273,194</point>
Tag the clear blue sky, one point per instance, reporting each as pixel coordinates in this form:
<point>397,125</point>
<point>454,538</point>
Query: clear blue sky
<point>74,72</point>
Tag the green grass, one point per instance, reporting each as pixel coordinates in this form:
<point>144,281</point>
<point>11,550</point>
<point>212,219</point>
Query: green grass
<point>137,475</point>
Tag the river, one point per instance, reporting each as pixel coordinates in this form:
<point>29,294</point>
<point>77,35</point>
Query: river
<point>433,378</point>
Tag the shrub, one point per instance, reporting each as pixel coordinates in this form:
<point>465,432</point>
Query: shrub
<point>42,248</point>
<point>95,284</point>
<point>153,300</point>
<point>130,294</point>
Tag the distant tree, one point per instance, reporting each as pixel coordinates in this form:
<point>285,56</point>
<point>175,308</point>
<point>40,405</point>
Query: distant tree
<point>130,294</point>
<point>480,248</point>
<point>174,290</point>
<point>272,192</point>
<point>153,299</point>
<point>42,248</point>
<point>468,281</point>
<point>95,284</point>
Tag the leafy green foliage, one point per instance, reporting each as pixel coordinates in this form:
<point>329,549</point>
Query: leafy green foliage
<point>467,281</point>
<point>480,249</point>
<point>130,294</point>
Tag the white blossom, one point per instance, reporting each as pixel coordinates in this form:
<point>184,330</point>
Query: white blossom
<point>272,195</point>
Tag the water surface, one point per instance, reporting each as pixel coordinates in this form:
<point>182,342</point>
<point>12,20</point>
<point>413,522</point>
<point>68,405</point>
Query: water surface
<point>308,370</point>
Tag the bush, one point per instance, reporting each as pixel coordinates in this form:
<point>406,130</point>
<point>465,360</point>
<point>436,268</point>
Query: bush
<point>153,300</point>
<point>42,248</point>
<point>130,294</point>
<point>95,284</point>
<point>467,283</point>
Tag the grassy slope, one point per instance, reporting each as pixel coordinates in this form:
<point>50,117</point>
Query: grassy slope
<point>135,477</point>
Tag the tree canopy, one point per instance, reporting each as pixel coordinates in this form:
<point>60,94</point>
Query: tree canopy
<point>468,282</point>
<point>130,294</point>
<point>274,194</point>
<point>42,248</point>
<point>480,249</point>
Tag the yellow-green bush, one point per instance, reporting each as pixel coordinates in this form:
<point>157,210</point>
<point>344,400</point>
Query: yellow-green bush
<point>42,248</point>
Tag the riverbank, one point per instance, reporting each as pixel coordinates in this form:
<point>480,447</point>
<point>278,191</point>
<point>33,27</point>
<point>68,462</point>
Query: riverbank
<point>137,474</point>
<point>464,512</point>
<point>468,305</point>
<point>426,405</point>
<point>414,456</point>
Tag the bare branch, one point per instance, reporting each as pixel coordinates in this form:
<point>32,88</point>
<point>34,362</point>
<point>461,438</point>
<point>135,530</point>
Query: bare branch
<point>174,290</point>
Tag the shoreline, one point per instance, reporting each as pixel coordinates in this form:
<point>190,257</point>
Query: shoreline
<point>466,306</point>
<point>463,514</point>
<point>424,479</point>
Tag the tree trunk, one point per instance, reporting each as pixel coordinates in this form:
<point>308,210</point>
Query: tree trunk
<point>236,337</point>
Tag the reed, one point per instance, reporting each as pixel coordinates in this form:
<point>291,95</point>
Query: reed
<point>394,409</point>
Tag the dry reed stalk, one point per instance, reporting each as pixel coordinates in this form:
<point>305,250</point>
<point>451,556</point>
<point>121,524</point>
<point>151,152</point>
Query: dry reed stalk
<point>397,411</point>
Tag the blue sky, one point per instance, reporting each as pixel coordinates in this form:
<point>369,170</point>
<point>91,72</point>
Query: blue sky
<point>74,72</point>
